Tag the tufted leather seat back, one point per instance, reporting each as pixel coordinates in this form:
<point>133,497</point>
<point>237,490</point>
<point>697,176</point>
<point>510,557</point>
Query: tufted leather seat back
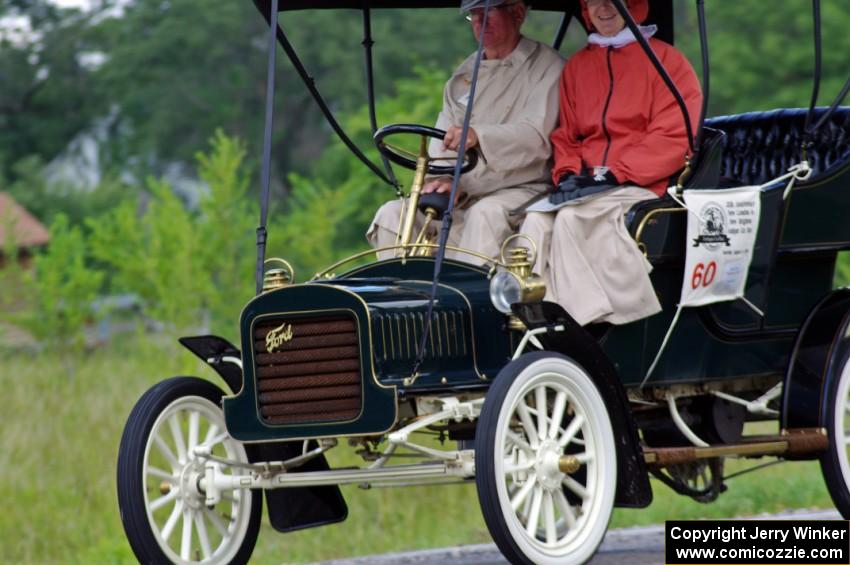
<point>761,146</point>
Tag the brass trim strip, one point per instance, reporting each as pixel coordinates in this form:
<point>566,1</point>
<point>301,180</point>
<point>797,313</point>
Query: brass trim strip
<point>463,333</point>
<point>323,273</point>
<point>371,365</point>
<point>445,317</point>
<point>398,333</point>
<point>392,337</point>
<point>430,336</point>
<point>410,347</point>
<point>436,324</point>
<point>383,339</point>
<point>645,220</point>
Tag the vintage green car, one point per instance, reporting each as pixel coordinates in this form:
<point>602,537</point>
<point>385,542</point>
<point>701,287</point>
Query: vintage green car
<point>554,422</point>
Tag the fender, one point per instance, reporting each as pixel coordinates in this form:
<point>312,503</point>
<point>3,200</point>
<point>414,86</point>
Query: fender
<point>633,487</point>
<point>821,347</point>
<point>212,350</point>
<point>289,509</point>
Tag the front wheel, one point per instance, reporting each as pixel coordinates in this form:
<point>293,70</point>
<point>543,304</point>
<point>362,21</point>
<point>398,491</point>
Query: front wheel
<point>543,414</point>
<point>162,507</point>
<point>835,461</point>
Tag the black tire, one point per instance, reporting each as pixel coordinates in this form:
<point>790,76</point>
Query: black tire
<point>571,532</point>
<point>835,461</point>
<point>175,402</point>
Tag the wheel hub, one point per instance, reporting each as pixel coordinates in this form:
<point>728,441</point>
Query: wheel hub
<point>189,490</point>
<point>546,464</point>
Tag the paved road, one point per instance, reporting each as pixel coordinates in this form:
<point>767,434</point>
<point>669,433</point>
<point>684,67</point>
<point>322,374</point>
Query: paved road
<point>635,546</point>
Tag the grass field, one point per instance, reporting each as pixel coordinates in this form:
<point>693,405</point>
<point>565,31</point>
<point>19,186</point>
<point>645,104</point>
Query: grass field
<point>62,420</point>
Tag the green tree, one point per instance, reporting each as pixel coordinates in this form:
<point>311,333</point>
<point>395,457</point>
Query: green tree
<point>46,96</point>
<point>226,223</point>
<point>45,200</point>
<point>155,255</point>
<point>762,52</point>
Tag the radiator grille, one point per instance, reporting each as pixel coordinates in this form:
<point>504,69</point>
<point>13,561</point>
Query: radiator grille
<point>401,332</point>
<point>312,377</point>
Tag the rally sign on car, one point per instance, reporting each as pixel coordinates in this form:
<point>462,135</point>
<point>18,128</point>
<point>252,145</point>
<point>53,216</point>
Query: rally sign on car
<point>722,227</point>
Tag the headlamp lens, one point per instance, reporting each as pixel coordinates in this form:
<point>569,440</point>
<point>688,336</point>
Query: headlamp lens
<point>505,289</point>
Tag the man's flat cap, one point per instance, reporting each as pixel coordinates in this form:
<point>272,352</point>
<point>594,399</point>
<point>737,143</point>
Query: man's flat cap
<point>467,5</point>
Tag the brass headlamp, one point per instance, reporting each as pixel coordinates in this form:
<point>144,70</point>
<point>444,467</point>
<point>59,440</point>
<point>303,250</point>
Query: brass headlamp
<point>515,282</point>
<point>278,278</point>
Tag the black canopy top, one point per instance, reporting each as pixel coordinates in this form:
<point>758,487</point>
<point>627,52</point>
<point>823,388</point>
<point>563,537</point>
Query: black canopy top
<point>660,11</point>
<point>286,5</point>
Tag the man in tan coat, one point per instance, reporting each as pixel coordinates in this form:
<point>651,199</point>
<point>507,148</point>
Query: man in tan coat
<point>515,109</point>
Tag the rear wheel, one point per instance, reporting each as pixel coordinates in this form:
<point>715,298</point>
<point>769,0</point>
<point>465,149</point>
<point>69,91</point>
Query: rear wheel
<point>540,408</point>
<point>835,461</point>
<point>163,510</point>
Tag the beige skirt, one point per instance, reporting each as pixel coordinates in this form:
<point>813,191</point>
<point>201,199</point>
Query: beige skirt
<point>591,265</point>
<point>480,227</point>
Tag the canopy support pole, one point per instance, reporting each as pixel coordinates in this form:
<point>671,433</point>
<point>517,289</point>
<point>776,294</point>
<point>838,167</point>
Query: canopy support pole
<point>447,216</point>
<point>811,129</point>
<point>706,71</point>
<point>310,83</point>
<point>267,147</point>
<point>808,131</point>
<point>370,89</point>
<point>562,31</point>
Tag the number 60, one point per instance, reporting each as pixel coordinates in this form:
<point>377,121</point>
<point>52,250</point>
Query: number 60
<point>703,275</point>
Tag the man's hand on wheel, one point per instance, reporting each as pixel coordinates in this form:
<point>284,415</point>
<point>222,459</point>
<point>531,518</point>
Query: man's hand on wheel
<point>452,139</point>
<point>440,185</point>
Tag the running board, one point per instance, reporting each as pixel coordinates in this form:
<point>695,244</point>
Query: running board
<point>794,442</point>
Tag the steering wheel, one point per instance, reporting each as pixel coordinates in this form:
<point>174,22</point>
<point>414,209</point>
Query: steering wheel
<point>408,159</point>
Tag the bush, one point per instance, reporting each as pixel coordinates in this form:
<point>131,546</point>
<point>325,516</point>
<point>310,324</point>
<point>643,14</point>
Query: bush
<point>189,268</point>
<point>60,288</point>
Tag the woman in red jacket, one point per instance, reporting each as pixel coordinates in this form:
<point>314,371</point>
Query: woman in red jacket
<point>620,138</point>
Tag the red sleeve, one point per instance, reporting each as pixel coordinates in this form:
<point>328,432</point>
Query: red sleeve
<point>662,150</point>
<point>565,145</point>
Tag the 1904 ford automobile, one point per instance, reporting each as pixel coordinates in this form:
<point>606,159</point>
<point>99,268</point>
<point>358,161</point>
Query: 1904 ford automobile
<point>552,421</point>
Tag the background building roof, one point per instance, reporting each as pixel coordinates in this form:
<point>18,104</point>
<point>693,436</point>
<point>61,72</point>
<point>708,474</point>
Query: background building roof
<point>26,230</point>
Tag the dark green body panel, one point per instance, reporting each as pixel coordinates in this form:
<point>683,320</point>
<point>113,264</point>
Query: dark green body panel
<point>792,271</point>
<point>467,342</point>
<point>241,411</point>
<point>483,352</point>
<point>817,214</point>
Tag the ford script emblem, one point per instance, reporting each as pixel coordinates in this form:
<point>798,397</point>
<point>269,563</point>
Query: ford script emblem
<point>278,336</point>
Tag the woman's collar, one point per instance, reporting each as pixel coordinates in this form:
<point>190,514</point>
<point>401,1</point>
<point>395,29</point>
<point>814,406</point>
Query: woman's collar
<point>622,39</point>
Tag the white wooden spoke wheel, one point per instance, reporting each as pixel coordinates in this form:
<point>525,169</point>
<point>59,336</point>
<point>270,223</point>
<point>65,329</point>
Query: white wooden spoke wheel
<point>835,461</point>
<point>546,466</point>
<point>162,506</point>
